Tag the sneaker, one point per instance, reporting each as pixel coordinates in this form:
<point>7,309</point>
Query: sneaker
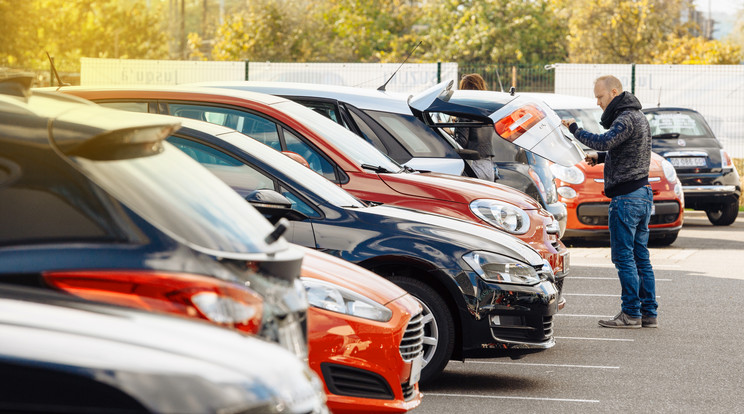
<point>649,321</point>
<point>622,320</point>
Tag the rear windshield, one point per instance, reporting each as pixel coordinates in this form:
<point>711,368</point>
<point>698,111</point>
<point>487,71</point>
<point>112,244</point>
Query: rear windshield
<point>677,123</point>
<point>176,194</point>
<point>414,135</point>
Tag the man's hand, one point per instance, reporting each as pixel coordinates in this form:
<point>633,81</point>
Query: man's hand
<point>567,122</point>
<point>591,158</point>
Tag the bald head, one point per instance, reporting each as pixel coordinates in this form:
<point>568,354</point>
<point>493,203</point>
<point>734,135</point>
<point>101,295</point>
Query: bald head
<point>606,88</point>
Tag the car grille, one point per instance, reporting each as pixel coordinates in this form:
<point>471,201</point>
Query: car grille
<point>412,344</point>
<point>355,382</point>
<point>533,329</point>
<point>596,214</point>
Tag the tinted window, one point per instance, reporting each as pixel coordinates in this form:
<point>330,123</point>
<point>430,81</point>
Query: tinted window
<point>311,155</point>
<point>256,127</point>
<point>414,135</point>
<point>176,194</point>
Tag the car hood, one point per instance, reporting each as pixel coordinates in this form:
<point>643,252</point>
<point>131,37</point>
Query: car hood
<point>456,188</point>
<point>542,127</point>
<point>467,234</point>
<point>321,266</point>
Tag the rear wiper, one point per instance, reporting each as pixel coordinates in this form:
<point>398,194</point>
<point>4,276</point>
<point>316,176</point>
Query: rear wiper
<point>376,168</point>
<point>667,135</point>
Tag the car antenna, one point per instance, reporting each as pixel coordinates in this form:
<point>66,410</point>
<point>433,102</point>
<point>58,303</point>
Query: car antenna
<point>60,84</point>
<point>382,88</point>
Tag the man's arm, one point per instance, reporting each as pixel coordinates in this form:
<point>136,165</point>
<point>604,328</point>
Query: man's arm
<point>616,135</point>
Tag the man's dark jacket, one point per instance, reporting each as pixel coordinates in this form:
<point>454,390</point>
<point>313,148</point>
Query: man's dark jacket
<point>627,144</point>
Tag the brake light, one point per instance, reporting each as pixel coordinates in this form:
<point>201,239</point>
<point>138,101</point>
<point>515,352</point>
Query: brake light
<point>726,161</point>
<point>218,301</point>
<point>518,122</point>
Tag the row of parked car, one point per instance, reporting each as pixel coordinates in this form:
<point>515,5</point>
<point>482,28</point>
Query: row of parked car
<point>376,269</point>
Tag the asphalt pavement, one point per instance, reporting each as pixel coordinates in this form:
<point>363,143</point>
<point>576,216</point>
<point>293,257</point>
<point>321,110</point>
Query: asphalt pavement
<point>693,362</point>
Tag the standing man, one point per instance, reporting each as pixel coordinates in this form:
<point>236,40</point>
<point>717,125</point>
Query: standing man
<point>626,156</point>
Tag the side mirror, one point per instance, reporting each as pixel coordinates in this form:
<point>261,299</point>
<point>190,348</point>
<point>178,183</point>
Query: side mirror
<point>273,205</point>
<point>297,157</point>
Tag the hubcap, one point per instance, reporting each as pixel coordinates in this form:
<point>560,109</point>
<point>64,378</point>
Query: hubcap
<point>431,333</point>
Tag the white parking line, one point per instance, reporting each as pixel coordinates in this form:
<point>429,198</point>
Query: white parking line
<point>596,294</point>
<point>607,278</point>
<point>584,316</point>
<point>595,339</point>
<point>610,265</point>
<point>505,397</point>
<point>542,365</point>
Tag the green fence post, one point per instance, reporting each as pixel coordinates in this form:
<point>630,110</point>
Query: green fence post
<point>246,68</point>
<point>632,78</point>
<point>439,72</point>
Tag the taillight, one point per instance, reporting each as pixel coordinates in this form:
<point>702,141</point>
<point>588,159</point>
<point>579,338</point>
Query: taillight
<point>726,161</point>
<point>518,122</point>
<point>218,301</point>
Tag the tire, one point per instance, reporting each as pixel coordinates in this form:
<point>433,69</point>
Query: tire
<point>664,240</point>
<point>439,327</point>
<point>725,215</point>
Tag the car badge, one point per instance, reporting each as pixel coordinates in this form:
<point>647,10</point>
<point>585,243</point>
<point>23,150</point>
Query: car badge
<point>681,142</point>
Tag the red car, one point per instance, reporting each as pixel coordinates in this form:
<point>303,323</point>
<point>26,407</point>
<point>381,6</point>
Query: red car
<point>349,161</point>
<point>581,187</point>
<point>365,337</point>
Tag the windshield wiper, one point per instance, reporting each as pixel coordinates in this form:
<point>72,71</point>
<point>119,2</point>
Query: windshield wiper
<point>667,135</point>
<point>376,168</point>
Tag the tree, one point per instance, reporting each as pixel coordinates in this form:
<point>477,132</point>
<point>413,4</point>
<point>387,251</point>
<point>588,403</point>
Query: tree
<point>273,30</point>
<point>498,31</point>
<point>71,29</point>
<point>689,50</point>
<point>624,31</point>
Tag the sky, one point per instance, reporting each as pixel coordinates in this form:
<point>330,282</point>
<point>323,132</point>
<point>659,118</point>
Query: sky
<point>723,6</point>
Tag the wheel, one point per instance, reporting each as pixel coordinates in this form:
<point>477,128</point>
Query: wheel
<point>439,327</point>
<point>664,240</point>
<point>725,215</point>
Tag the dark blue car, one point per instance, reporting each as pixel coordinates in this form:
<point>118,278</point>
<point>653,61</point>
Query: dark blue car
<point>485,293</point>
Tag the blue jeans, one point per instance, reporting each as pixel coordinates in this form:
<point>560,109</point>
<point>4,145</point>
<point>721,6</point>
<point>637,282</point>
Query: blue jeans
<point>628,222</point>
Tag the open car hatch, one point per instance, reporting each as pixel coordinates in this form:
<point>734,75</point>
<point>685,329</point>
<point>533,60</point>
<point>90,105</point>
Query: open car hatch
<point>525,122</point>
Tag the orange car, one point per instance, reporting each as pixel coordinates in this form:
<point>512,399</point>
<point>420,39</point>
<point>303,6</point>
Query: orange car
<point>581,187</point>
<point>365,337</point>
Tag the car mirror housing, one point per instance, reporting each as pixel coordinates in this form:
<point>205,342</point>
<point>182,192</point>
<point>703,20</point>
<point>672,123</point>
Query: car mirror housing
<point>273,205</point>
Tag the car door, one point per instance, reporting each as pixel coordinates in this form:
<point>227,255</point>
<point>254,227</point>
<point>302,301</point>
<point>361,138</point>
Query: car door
<point>245,178</point>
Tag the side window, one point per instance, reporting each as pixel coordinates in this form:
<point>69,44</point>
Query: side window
<point>327,109</point>
<point>298,204</point>
<point>316,161</point>
<point>368,133</point>
<point>126,106</point>
<point>232,171</point>
<point>252,125</point>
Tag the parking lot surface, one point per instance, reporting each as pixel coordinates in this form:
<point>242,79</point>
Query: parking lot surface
<point>693,362</point>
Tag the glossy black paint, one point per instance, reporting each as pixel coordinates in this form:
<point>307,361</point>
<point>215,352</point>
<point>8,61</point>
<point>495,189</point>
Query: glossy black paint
<point>398,242</point>
<point>63,354</point>
<point>711,174</point>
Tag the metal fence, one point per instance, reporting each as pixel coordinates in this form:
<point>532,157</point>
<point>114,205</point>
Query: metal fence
<point>525,78</point>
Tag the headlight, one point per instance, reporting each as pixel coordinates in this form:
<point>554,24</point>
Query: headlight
<point>669,171</point>
<point>569,175</point>
<point>567,192</point>
<point>497,268</point>
<point>505,216</point>
<point>335,298</point>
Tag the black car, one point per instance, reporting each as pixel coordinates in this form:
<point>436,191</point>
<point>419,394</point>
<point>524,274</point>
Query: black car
<point>385,120</point>
<point>709,178</point>
<point>485,293</point>
<point>96,204</point>
<point>62,354</point>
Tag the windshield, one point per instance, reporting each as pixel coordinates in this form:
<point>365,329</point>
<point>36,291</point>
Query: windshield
<point>304,176</point>
<point>678,123</point>
<point>349,143</point>
<point>179,196</point>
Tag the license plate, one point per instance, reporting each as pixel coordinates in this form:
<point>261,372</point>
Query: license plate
<point>416,365</point>
<point>688,161</point>
<point>566,261</point>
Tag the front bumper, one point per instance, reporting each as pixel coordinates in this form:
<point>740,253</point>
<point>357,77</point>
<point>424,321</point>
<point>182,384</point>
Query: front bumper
<point>503,319</point>
<point>360,360</point>
<point>594,218</point>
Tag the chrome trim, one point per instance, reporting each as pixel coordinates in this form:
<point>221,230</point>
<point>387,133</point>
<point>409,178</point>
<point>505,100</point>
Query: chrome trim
<point>650,179</point>
<point>412,344</point>
<point>685,154</point>
<point>526,345</point>
<point>599,180</point>
<point>708,188</point>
